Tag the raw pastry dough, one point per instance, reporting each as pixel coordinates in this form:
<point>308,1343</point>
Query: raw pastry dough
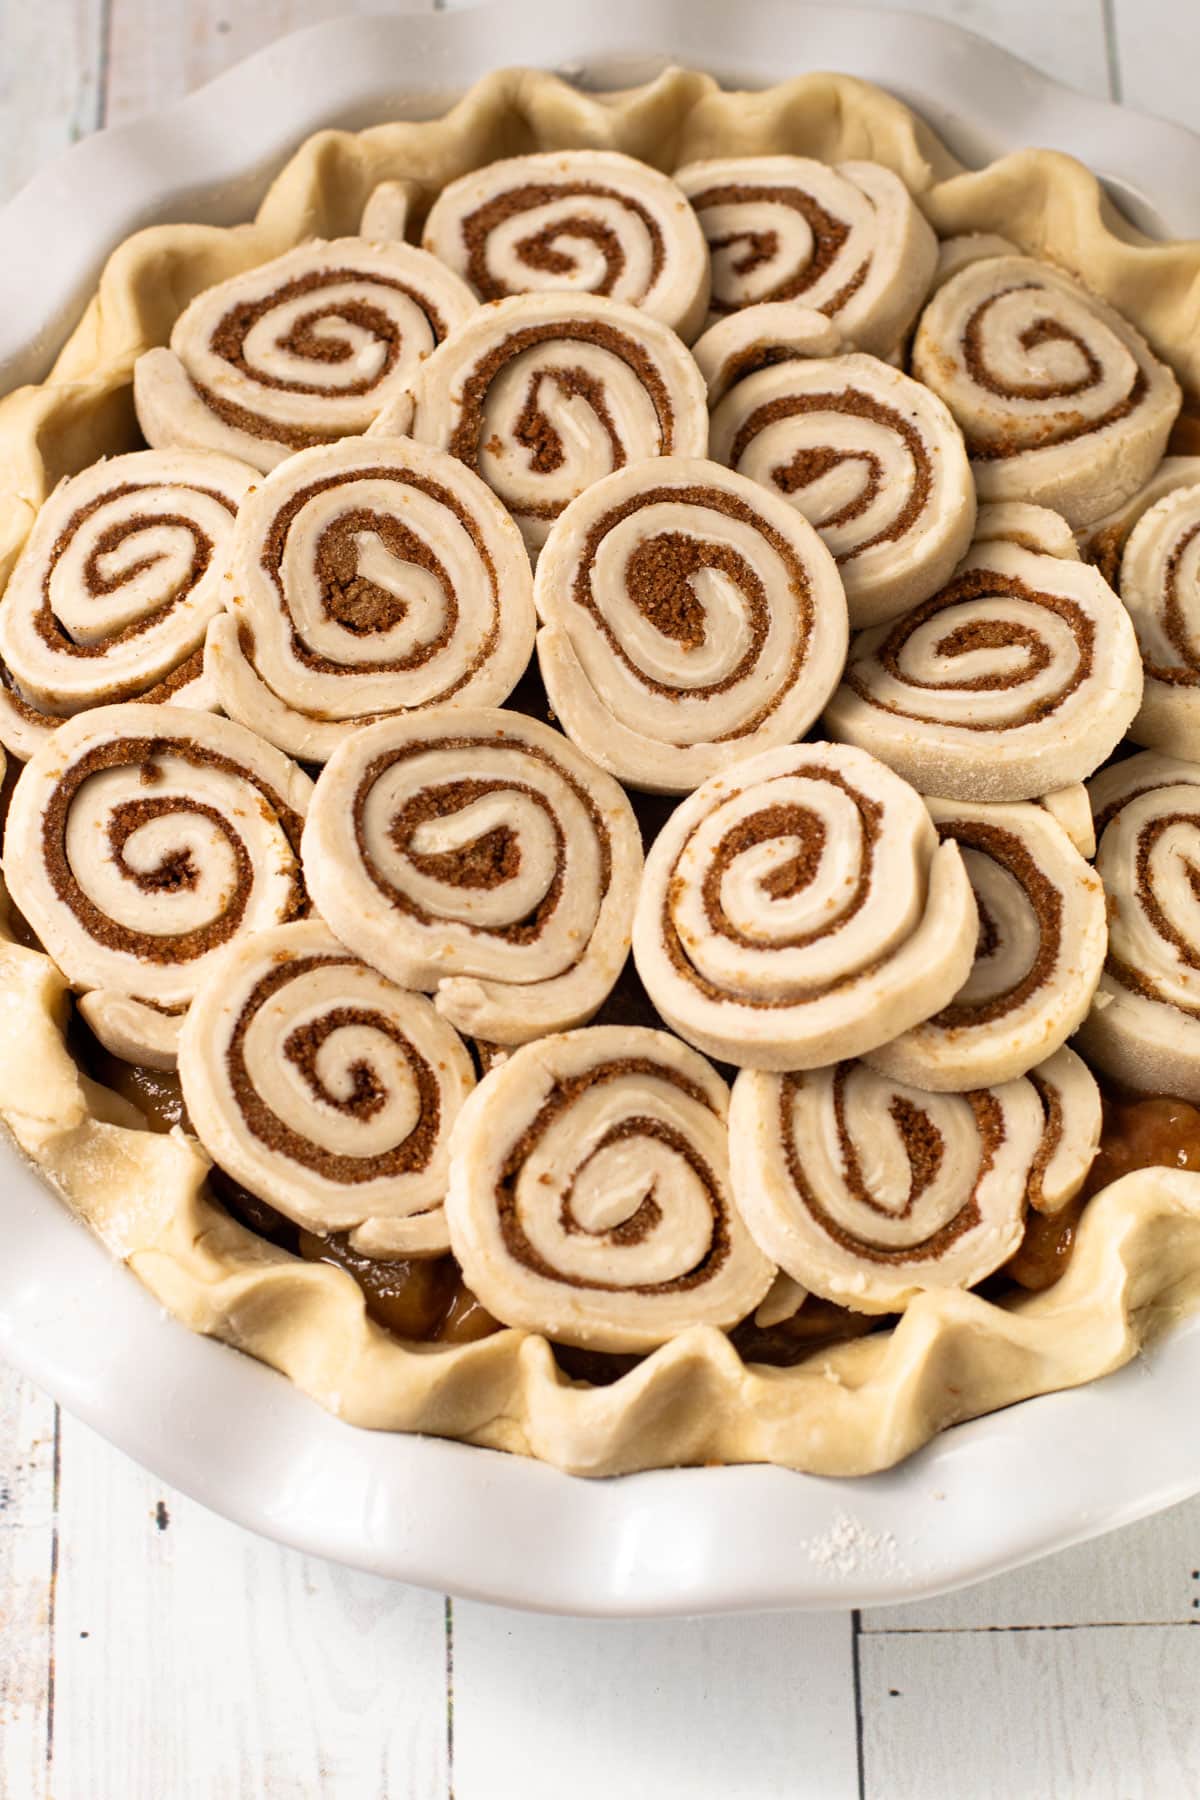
<point>368,578</point>
<point>589,1192</point>
<point>543,394</point>
<point>325,1089</point>
<point>689,619</point>
<point>584,222</point>
<point>299,351</point>
<point>1042,939</point>
<point>1020,676</point>
<point>868,456</point>
<point>798,909</point>
<point>477,855</point>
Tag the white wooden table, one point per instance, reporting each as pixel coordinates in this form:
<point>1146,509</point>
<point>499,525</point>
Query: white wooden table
<point>149,1651</point>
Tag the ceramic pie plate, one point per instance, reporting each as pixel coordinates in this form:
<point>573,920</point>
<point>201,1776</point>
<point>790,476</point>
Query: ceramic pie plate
<point>983,1497</point>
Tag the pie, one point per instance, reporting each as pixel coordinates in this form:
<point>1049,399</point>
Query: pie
<point>602,821</point>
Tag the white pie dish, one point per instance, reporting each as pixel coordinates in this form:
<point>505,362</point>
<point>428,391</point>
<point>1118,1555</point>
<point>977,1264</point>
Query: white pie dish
<point>987,1495</point>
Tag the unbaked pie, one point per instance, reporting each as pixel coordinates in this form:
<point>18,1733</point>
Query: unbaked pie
<point>601,833</point>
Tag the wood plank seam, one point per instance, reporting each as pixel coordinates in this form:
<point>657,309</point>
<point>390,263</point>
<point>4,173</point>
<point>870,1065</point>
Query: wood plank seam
<point>52,1595</point>
<point>927,1631</point>
<point>856,1666</point>
<point>449,1698</point>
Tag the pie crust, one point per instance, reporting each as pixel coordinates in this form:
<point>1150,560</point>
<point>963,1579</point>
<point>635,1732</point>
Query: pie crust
<point>855,1408</point>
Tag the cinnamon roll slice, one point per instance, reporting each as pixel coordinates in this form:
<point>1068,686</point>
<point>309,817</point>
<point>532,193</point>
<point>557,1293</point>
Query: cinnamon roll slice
<point>369,578</point>
<point>798,908</point>
<point>114,589</point>
<point>1073,1118</point>
<point>689,618</point>
<point>868,1191</point>
<point>478,856</point>
<point>1038,959</point>
<point>1103,543</point>
<point>325,1089</point>
<point>1060,399</point>
<point>302,350</point>
<point>542,394</point>
<point>140,841</point>
<point>1033,528</point>
<point>1073,810</point>
<point>1144,1027</point>
<point>576,221</point>
<point>589,1193</point>
<point>757,337</point>
<point>1160,585</point>
<point>867,455</point>
<point>1020,676</point>
<point>846,241</point>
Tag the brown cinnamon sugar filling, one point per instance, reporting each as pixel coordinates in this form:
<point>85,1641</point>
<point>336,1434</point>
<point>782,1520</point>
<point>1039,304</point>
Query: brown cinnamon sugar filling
<point>228,340</point>
<point>176,870</point>
<point>642,1223</point>
<point>539,250</point>
<point>1176,622</point>
<point>658,576</point>
<point>1008,852</point>
<point>360,606</point>
<point>302,1049</point>
<point>468,432</point>
<point>1188,951</point>
<point>99,585</point>
<point>982,634</point>
<point>769,823</point>
<point>926,1149</point>
<point>829,235</point>
<point>1058,428</point>
<point>809,464</point>
<point>490,860</point>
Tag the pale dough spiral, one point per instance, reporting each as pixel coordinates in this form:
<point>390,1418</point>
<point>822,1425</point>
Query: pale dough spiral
<point>302,350</point>
<point>1060,400</point>
<point>868,456</point>
<point>1144,1027</point>
<point>478,856</point>
<point>847,241</point>
<point>114,589</point>
<point>589,1193</point>
<point>759,336</point>
<point>369,578</point>
<point>542,394</point>
<point>1160,585</point>
<point>688,619</point>
<point>575,221</point>
<point>1042,939</point>
<point>868,1191</point>
<point>326,1090</point>
<point>141,841</point>
<point>1020,676</point>
<point>798,908</point>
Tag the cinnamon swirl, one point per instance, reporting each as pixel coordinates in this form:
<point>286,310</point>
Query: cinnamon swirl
<point>589,1193</point>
